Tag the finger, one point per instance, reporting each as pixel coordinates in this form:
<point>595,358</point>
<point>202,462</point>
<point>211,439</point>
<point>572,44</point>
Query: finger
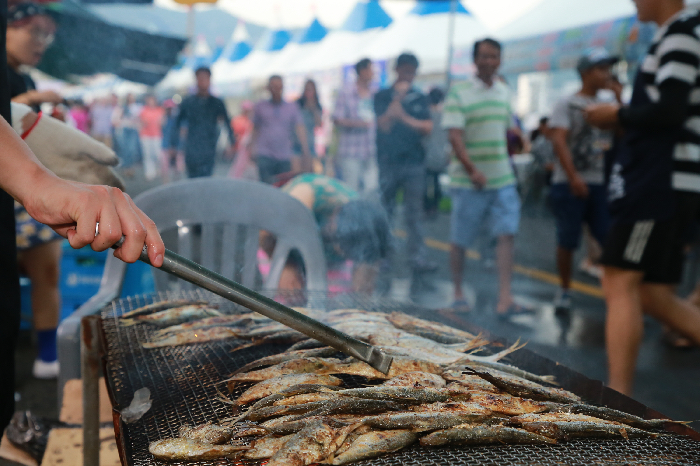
<point>156,248</point>
<point>86,222</point>
<point>131,227</point>
<point>110,229</point>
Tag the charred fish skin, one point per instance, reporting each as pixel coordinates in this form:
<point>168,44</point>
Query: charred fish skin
<point>417,379</point>
<point>517,386</point>
<point>481,435</point>
<point>207,433</point>
<point>373,444</point>
<point>349,405</point>
<point>184,449</point>
<point>422,421</point>
<point>588,429</point>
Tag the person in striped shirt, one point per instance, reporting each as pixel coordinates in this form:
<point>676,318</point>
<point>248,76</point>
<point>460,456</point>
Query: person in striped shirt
<point>477,116</point>
<point>654,188</point>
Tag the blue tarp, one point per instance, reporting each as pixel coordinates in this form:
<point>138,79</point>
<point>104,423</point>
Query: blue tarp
<point>438,6</point>
<point>366,15</point>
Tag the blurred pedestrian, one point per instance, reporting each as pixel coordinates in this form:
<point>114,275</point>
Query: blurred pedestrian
<point>354,120</point>
<point>151,133</point>
<point>197,126</point>
<point>437,154</point>
<point>543,158</point>
<point>101,128</point>
<point>403,120</point>
<point>578,194</point>
<point>172,158</point>
<point>275,123</point>
<point>126,123</point>
<point>482,182</point>
<point>243,166</point>
<point>80,117</point>
<point>654,189</point>
<point>311,115</point>
<point>29,31</point>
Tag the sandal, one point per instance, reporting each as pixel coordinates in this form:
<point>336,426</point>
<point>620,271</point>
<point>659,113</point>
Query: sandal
<point>461,306</point>
<point>514,310</point>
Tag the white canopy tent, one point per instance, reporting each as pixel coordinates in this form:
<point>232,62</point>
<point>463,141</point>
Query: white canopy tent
<point>343,46</point>
<point>250,67</point>
<point>425,32</point>
<point>555,15</point>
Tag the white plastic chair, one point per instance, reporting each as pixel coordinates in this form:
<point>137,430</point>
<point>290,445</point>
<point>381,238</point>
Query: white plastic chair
<point>216,222</point>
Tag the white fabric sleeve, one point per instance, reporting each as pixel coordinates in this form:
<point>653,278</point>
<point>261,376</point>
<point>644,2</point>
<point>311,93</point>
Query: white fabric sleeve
<point>453,115</point>
<point>560,115</point>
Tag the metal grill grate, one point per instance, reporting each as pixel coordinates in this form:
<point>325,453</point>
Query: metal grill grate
<point>184,383</point>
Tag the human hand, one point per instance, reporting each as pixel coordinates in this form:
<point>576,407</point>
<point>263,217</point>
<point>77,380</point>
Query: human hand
<point>73,210</point>
<point>603,116</point>
<point>478,178</point>
<point>578,187</point>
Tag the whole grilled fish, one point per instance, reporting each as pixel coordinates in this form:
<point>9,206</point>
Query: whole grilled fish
<point>400,365</point>
<point>512,370</point>
<point>374,444</point>
<point>407,394</point>
<point>433,330</point>
<point>518,386</point>
<point>423,421</point>
<point>184,449</point>
<point>193,336</point>
<point>474,434</point>
<point>161,306</point>
<point>507,404</point>
<point>416,379</point>
<point>309,343</point>
<point>350,405</point>
<point>609,414</point>
<point>216,321</point>
<point>174,316</point>
<point>277,384</point>
<point>207,433</point>
<point>293,366</point>
<point>565,426</point>
<point>287,356</point>
<point>304,398</point>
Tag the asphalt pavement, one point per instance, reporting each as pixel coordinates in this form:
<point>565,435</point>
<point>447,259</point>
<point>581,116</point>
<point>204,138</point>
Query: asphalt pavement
<point>668,380</point>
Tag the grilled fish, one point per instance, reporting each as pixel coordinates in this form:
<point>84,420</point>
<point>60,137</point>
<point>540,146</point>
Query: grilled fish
<point>217,321</point>
<point>174,316</point>
<point>277,384</point>
<point>565,426</point>
<point>193,336</point>
<point>266,447</point>
<point>287,356</point>
<point>184,449</point>
<point>609,414</point>
<point>374,444</point>
<point>349,405</point>
<point>474,434</point>
<point>310,445</point>
<point>423,421</point>
<point>518,386</point>
<point>161,306</point>
<point>293,366</point>
<point>416,379</point>
<point>407,394</point>
<point>507,404</point>
<point>207,433</point>
<point>512,370</point>
<point>435,331</point>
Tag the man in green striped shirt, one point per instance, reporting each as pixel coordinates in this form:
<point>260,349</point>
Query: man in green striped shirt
<point>482,183</point>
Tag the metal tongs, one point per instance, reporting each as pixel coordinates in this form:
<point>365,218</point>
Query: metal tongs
<point>194,273</point>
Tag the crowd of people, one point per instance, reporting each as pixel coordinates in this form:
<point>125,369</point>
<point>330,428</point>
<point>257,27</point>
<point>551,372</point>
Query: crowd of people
<point>624,177</point>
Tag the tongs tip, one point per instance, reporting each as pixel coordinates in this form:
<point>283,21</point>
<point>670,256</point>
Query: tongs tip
<point>380,361</point>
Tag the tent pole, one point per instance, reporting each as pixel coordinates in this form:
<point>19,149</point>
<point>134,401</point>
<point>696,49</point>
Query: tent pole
<point>190,22</point>
<point>450,43</point>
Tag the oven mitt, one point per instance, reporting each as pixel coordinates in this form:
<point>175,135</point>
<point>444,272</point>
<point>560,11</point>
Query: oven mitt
<point>66,151</point>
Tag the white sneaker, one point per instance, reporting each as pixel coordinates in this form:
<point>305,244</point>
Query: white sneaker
<point>562,302</point>
<point>45,370</point>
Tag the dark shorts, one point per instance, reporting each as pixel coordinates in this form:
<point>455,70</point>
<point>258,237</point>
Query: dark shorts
<point>572,212</point>
<point>269,168</point>
<point>655,248</point>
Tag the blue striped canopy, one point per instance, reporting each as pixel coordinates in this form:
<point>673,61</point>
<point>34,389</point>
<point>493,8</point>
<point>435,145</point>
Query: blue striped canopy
<point>314,33</point>
<point>428,7</point>
<point>366,15</point>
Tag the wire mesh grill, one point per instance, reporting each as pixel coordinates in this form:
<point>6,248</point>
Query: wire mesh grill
<point>185,384</point>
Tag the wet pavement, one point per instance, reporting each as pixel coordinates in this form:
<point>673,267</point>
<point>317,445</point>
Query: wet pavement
<point>668,380</point>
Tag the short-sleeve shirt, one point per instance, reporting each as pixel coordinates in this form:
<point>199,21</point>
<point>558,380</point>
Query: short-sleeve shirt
<point>355,143</point>
<point>649,165</point>
<point>151,119</point>
<point>484,113</point>
<point>275,125</point>
<point>587,143</point>
<point>402,145</point>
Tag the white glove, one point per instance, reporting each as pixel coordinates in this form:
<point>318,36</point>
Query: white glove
<point>69,153</point>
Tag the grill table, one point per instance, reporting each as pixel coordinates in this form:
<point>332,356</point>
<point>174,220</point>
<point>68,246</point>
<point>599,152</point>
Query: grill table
<point>185,382</point>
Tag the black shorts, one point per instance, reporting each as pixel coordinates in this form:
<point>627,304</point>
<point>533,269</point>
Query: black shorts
<point>653,247</point>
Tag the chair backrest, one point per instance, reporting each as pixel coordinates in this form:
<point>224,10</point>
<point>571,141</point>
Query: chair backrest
<point>216,222</point>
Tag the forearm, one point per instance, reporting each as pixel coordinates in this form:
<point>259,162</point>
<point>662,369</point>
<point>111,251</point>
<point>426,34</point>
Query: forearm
<point>26,99</point>
<point>422,126</point>
<point>350,123</point>
<point>563,154</point>
<point>20,170</point>
<point>457,142</point>
<point>669,112</point>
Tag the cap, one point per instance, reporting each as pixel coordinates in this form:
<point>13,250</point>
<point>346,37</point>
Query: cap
<point>595,57</point>
<point>24,10</point>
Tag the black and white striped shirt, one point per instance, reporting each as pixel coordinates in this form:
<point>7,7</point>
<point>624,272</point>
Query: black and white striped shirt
<point>675,55</point>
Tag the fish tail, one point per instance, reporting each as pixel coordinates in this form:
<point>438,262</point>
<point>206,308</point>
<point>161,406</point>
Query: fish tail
<point>501,354</point>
